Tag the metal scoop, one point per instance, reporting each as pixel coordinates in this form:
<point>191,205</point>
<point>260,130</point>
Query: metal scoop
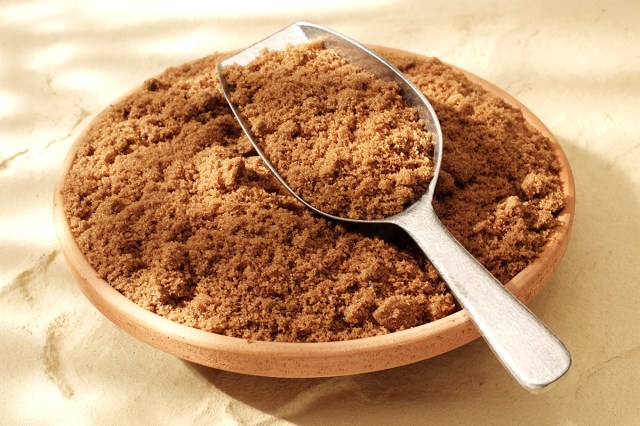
<point>529,351</point>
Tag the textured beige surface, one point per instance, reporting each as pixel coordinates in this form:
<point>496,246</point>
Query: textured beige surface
<point>574,64</point>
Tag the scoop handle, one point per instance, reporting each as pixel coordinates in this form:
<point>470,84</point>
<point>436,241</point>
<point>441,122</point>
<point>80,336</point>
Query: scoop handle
<point>524,345</point>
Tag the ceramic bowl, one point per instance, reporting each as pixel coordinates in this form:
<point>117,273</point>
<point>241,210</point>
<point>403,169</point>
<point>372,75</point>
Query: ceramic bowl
<point>312,359</point>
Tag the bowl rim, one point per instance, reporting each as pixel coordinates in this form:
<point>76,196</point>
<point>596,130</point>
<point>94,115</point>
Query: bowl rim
<point>280,359</point>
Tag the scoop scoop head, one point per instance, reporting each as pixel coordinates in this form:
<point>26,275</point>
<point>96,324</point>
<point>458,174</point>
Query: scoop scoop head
<point>357,55</point>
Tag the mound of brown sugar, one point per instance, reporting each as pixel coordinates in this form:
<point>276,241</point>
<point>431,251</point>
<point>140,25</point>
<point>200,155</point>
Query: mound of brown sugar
<point>173,208</point>
<point>344,140</point>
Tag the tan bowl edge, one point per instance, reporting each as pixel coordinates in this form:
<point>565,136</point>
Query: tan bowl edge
<point>310,359</point>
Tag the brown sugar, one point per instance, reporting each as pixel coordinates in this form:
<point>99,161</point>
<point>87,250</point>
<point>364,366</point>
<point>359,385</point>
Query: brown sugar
<point>344,140</point>
<point>171,205</point>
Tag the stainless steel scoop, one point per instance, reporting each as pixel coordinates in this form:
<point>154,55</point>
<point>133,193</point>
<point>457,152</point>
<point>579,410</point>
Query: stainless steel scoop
<point>529,351</point>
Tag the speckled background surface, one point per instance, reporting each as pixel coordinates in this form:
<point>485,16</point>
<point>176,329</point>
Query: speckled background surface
<point>575,64</point>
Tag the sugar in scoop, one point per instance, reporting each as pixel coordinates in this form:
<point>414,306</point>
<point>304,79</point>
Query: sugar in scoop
<point>343,139</point>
